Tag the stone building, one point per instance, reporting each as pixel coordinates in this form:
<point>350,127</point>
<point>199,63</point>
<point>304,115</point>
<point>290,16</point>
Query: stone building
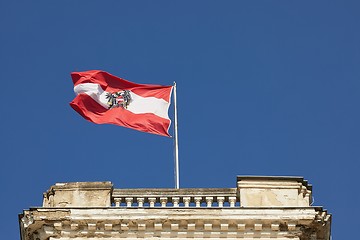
<point>259,207</point>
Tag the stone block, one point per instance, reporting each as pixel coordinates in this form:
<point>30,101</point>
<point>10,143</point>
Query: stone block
<point>261,191</point>
<point>79,194</point>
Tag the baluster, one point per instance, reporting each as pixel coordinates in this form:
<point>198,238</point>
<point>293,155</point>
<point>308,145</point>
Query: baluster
<point>117,202</point>
<point>163,201</point>
<point>186,201</point>
<point>220,201</point>
<point>175,201</point>
<point>152,201</point>
<point>232,201</point>
<point>140,202</point>
<point>209,201</point>
<point>197,201</point>
<point>128,201</point>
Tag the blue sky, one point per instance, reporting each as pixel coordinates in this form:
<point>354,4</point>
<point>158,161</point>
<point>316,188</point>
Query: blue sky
<point>264,88</point>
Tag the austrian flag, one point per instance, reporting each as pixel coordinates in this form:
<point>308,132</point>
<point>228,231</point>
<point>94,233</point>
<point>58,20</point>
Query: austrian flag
<point>104,98</point>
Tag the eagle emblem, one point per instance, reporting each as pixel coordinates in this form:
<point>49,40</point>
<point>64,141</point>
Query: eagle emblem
<point>118,99</point>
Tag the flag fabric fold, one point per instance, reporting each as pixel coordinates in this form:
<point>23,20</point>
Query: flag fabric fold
<point>106,99</point>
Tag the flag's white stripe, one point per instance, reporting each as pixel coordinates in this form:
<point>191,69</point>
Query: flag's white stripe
<point>153,105</point>
<point>138,104</point>
<point>94,91</point>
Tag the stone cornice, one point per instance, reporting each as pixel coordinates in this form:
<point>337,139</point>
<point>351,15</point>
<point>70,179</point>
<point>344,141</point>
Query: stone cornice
<point>170,222</point>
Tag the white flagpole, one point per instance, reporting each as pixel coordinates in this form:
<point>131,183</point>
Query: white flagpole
<point>176,143</point>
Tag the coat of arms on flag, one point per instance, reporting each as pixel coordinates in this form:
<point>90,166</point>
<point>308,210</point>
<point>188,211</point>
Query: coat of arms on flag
<point>120,98</point>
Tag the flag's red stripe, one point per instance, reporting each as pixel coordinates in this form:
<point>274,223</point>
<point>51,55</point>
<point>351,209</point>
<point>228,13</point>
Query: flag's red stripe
<point>111,83</point>
<point>94,112</point>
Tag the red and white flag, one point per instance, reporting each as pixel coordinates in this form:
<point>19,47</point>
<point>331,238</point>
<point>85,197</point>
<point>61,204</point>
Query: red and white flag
<point>104,98</point>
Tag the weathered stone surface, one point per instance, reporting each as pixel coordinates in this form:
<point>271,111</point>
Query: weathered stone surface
<point>261,191</point>
<point>269,208</point>
<point>79,194</point>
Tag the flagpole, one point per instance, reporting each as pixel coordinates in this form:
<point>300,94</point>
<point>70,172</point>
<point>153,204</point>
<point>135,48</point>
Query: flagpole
<point>176,143</point>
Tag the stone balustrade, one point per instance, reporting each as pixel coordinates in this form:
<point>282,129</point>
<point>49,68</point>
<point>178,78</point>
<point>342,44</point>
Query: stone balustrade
<point>251,191</point>
<point>188,197</point>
